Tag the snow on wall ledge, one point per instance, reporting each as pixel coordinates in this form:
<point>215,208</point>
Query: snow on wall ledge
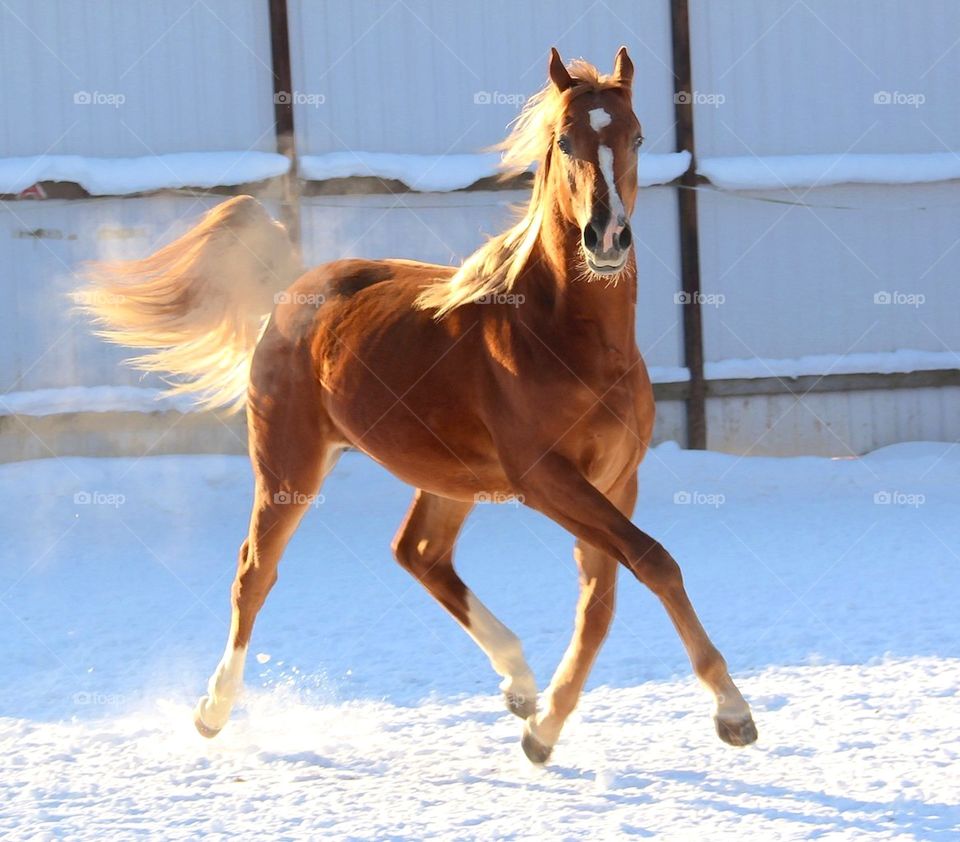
<point>442,173</point>
<point>39,402</point>
<point>774,172</point>
<point>123,176</point>
<point>902,361</point>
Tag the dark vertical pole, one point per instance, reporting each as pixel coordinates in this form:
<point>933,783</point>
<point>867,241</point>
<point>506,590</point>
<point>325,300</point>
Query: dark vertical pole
<point>283,115</point>
<point>689,233</point>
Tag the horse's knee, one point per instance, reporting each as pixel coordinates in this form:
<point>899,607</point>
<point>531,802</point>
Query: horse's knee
<point>597,617</point>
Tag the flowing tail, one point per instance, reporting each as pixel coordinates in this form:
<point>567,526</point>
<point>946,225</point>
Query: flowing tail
<point>199,304</point>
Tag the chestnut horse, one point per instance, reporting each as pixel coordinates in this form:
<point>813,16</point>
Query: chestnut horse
<point>515,375</point>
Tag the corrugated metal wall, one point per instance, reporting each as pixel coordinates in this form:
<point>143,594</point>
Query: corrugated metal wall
<point>800,76</point>
<point>402,77</point>
<point>798,280</point>
<point>193,76</point>
<point>796,76</point>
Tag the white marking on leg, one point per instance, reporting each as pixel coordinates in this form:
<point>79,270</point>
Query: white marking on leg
<point>224,687</point>
<point>503,648</point>
<point>599,119</point>
<point>617,214</point>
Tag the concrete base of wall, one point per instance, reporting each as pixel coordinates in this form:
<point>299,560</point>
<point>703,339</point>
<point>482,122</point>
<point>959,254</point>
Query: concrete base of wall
<point>828,424</point>
<point>119,434</point>
<point>157,433</point>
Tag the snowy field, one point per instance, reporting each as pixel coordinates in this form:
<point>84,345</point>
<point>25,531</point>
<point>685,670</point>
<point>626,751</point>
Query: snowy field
<point>830,585</point>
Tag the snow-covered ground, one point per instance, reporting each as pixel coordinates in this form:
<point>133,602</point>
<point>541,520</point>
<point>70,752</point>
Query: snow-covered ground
<point>830,585</point>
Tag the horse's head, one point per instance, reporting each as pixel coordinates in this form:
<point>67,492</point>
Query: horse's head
<point>593,159</point>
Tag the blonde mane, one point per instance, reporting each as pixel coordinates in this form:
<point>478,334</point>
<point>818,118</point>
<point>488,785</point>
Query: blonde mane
<point>494,267</point>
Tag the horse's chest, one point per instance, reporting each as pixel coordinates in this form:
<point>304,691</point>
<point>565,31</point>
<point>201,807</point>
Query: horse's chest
<point>597,418</point>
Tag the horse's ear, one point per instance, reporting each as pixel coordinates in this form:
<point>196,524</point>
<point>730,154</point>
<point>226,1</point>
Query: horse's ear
<point>623,68</point>
<point>558,72</point>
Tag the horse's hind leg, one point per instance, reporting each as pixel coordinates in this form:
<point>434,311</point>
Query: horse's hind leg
<point>280,501</point>
<point>292,448</point>
<point>424,547</point>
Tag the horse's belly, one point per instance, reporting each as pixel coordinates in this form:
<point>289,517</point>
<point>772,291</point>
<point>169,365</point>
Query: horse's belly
<point>428,441</point>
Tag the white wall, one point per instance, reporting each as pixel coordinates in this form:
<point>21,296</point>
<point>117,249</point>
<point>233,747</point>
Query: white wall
<point>45,345</point>
<point>796,78</point>
<point>799,281</point>
<point>799,76</point>
<point>401,77</point>
<point>194,77</point>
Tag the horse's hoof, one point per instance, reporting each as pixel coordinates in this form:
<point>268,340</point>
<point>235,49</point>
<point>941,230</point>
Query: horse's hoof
<point>736,732</point>
<point>536,751</point>
<point>519,705</point>
<point>202,728</point>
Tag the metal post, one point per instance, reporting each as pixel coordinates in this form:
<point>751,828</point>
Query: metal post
<point>689,230</point>
<point>283,115</point>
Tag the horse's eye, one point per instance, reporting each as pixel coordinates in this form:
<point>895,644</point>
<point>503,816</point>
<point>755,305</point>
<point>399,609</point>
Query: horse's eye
<point>638,141</point>
<point>563,144</point>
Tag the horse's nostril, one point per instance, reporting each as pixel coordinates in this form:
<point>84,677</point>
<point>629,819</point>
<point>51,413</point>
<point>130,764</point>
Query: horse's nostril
<point>625,237</point>
<point>590,236</point>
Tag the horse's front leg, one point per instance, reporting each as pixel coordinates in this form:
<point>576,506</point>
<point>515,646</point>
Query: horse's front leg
<point>556,488</point>
<point>598,586</point>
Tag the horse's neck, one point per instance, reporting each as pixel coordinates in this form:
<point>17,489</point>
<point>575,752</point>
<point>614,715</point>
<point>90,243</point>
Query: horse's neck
<point>575,296</point>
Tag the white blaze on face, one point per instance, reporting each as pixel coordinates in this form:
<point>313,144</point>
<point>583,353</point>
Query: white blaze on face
<point>614,226</point>
<point>599,119</point>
